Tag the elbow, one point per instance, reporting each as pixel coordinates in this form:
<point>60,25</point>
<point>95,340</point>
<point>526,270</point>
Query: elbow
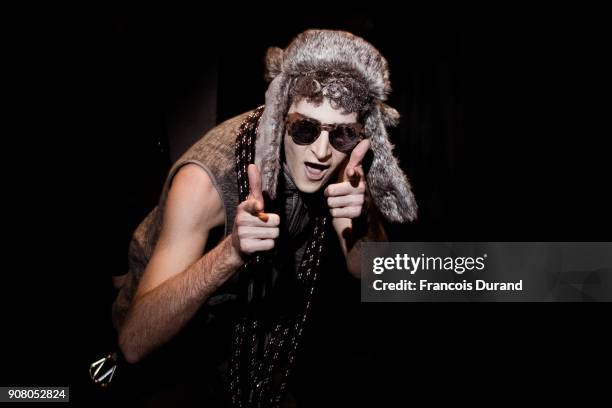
<point>128,348</point>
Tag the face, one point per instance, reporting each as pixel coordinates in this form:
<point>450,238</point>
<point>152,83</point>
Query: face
<point>312,166</point>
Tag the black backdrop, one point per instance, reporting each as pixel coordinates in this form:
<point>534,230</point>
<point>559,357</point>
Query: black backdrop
<point>504,134</point>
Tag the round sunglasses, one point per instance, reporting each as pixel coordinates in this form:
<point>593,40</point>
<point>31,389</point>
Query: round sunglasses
<point>342,136</point>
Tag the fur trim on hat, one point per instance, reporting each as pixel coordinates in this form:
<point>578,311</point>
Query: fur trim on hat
<point>339,51</point>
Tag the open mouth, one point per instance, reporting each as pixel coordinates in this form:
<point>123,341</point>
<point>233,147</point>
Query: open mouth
<point>315,171</point>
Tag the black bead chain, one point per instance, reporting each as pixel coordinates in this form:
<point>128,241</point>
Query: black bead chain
<point>281,344</point>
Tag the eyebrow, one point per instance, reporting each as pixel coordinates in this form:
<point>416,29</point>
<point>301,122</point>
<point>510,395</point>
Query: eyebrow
<point>317,120</point>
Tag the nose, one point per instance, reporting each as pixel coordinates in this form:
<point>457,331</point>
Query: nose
<point>321,147</point>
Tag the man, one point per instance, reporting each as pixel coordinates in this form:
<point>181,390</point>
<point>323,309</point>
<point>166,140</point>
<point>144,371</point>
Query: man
<point>244,213</point>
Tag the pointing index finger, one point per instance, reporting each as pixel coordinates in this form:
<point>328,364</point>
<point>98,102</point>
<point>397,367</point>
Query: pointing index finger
<point>358,154</point>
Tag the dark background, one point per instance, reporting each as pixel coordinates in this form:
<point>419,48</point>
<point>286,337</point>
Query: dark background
<point>504,134</point>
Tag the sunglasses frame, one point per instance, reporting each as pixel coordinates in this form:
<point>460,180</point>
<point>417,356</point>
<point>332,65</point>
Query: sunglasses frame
<point>295,117</point>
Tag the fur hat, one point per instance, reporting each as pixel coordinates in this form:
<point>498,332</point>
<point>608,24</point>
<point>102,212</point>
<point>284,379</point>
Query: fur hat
<point>338,51</point>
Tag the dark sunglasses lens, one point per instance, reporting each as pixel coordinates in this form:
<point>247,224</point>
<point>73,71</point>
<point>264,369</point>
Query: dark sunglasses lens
<point>344,138</point>
<point>304,132</point>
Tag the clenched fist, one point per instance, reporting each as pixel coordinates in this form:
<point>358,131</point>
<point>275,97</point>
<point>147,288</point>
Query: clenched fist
<point>253,229</point>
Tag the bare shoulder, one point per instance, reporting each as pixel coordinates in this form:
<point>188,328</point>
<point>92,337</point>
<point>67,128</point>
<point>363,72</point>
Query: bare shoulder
<point>193,199</point>
<point>193,207</point>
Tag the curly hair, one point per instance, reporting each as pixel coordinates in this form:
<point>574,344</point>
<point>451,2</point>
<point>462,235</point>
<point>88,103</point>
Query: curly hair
<point>344,91</point>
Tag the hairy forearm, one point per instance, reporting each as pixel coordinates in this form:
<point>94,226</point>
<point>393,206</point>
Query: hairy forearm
<point>159,314</point>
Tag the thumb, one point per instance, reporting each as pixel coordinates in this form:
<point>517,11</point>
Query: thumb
<point>357,156</point>
<point>255,186</point>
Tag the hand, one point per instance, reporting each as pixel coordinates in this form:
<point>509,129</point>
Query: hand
<point>345,198</point>
<point>254,230</point>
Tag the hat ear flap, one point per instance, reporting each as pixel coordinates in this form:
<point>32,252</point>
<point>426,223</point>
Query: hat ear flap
<point>274,63</point>
<point>389,186</point>
<point>270,132</point>
<point>389,115</point>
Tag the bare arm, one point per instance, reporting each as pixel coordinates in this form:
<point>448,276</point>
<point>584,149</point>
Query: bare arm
<point>346,200</point>
<point>178,279</point>
<point>352,233</point>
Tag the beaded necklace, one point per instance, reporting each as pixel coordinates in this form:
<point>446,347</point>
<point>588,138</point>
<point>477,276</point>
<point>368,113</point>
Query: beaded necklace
<point>261,362</point>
